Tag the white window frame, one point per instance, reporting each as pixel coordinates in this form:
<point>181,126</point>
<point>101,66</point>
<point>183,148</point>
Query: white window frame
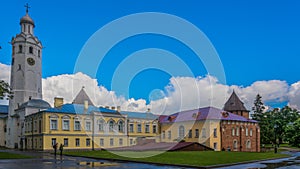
<point>120,142</point>
<point>169,135</point>
<point>77,145</point>
<point>121,126</point>
<point>181,132</point>
<point>154,128</point>
<point>238,131</point>
<point>111,142</point>
<point>66,142</point>
<point>52,127</point>
<point>88,127</point>
<point>139,127</point>
<point>131,128</point>
<point>111,128</point>
<point>65,119</point>
<point>147,128</point>
<point>101,142</point>
<point>77,129</point>
<point>101,123</point>
<point>215,133</point>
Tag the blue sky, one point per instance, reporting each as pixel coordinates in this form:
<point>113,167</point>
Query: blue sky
<point>256,40</point>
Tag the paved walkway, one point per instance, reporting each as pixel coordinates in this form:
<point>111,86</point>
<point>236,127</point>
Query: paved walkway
<point>48,161</point>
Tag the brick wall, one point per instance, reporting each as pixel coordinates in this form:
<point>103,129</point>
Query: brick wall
<point>235,137</point>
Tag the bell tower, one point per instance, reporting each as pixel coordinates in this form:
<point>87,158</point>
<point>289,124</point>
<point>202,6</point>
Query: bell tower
<point>26,74</point>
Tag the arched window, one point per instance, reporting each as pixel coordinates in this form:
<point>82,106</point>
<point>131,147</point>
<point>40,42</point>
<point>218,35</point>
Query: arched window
<point>101,125</point>
<point>31,50</point>
<point>246,131</point>
<point>181,132</point>
<point>111,126</point>
<point>233,132</point>
<point>248,144</point>
<point>237,131</point>
<point>121,126</point>
<point>39,53</point>
<point>251,132</point>
<point>235,145</point>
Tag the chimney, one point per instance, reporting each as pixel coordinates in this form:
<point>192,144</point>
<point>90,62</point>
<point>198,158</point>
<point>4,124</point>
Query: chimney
<point>58,101</point>
<point>86,105</point>
<point>118,108</point>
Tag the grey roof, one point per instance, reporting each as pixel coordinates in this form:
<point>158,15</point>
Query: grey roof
<point>36,103</point>
<point>140,115</point>
<point>234,103</point>
<point>26,19</point>
<point>81,97</point>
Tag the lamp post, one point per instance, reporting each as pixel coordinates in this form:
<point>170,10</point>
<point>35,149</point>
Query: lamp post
<point>275,148</point>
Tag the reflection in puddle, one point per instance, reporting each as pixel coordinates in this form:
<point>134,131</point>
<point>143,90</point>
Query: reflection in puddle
<point>292,163</point>
<point>97,164</point>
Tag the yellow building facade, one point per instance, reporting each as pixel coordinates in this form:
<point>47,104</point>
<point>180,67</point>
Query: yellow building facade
<point>94,130</point>
<point>141,126</point>
<point>204,132</point>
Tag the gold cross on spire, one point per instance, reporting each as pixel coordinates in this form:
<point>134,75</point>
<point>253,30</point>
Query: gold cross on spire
<point>27,7</point>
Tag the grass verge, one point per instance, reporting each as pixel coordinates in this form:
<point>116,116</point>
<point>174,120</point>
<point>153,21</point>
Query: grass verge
<point>191,158</point>
<point>6,155</point>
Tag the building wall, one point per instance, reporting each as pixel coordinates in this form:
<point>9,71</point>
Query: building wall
<point>205,128</point>
<point>3,130</point>
<point>236,138</point>
<point>135,134</point>
<point>39,134</point>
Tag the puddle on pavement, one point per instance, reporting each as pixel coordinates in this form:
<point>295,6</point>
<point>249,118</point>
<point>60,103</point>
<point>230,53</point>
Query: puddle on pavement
<point>284,164</point>
<point>97,164</point>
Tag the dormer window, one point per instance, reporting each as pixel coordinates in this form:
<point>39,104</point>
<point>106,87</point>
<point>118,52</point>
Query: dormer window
<point>31,50</point>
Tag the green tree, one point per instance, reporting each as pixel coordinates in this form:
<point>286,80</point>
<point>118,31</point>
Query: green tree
<point>277,121</point>
<point>293,134</point>
<point>258,108</point>
<point>5,90</point>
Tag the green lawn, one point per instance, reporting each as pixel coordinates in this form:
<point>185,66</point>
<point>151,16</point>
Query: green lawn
<point>204,158</point>
<point>5,155</point>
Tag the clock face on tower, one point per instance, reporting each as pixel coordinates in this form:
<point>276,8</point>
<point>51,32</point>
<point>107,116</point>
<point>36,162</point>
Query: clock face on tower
<point>30,61</point>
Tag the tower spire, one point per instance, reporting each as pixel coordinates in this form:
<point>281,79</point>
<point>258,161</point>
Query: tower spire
<point>27,7</point>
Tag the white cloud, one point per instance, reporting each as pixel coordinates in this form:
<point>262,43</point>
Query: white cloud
<point>182,92</point>
<point>5,72</point>
<point>294,95</point>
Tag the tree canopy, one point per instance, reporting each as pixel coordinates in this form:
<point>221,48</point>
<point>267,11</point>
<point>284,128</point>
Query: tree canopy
<point>284,122</point>
<point>5,91</point>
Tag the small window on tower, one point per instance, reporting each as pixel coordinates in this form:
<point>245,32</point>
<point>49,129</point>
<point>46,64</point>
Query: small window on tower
<point>13,61</point>
<point>31,50</point>
<point>20,48</point>
<point>39,53</point>
<point>29,29</point>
